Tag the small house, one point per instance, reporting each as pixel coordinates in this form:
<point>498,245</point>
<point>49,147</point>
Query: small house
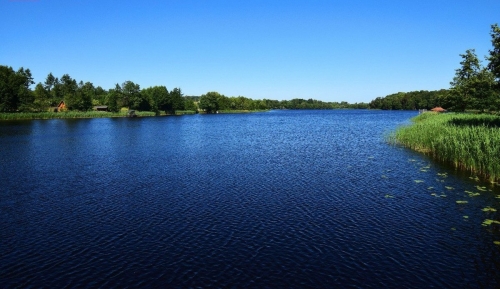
<point>438,109</point>
<point>60,107</point>
<point>101,108</point>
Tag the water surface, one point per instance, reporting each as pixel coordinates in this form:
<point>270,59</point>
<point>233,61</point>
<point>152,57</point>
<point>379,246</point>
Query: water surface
<point>282,199</point>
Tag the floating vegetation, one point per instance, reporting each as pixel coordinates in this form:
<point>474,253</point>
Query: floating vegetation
<point>472,194</point>
<point>412,160</point>
<point>384,177</point>
<point>466,217</point>
<point>388,196</point>
<point>423,170</point>
<point>488,222</point>
<point>435,195</point>
<point>418,181</point>
<point>497,197</point>
<point>443,175</point>
<point>496,242</point>
<point>443,196</point>
<point>449,188</point>
<point>489,209</point>
<point>476,178</point>
<point>453,229</point>
<point>462,202</point>
<point>430,188</point>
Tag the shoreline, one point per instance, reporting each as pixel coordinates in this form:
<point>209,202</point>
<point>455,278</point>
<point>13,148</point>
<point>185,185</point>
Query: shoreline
<point>469,142</point>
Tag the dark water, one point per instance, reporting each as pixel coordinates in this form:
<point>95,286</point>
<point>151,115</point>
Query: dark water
<point>283,199</point>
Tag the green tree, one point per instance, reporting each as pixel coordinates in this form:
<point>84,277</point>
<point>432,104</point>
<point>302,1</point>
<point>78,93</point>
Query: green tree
<point>494,54</point>
<point>69,89</point>
<point>131,95</point>
<point>85,95</point>
<point>112,99</point>
<point>42,98</point>
<point>176,99</point>
<point>210,102</point>
<point>25,94</point>
<point>463,85</point>
<point>157,97</point>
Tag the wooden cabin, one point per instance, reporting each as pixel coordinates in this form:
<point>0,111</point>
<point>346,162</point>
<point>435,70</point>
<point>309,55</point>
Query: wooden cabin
<point>60,107</point>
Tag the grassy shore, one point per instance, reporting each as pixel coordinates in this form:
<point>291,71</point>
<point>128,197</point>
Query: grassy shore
<point>80,114</point>
<point>469,142</point>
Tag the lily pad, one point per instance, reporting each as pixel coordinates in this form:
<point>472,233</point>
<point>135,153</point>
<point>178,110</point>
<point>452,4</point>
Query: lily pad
<point>481,188</point>
<point>449,188</point>
<point>466,217</point>
<point>489,209</point>
<point>430,188</point>
<point>488,222</point>
<point>389,196</point>
<point>462,202</point>
<point>496,242</point>
<point>418,181</point>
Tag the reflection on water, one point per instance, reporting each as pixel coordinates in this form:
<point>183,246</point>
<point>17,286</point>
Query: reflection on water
<point>277,199</point>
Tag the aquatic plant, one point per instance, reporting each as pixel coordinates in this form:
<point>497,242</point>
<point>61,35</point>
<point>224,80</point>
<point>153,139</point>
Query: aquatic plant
<point>469,142</point>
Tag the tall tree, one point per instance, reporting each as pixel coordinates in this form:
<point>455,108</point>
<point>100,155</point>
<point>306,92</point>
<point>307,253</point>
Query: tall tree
<point>50,81</point>
<point>9,88</point>
<point>463,88</point>
<point>494,54</point>
<point>41,98</point>
<point>25,94</point>
<point>176,99</point>
<point>131,95</point>
<point>210,102</point>
<point>69,88</point>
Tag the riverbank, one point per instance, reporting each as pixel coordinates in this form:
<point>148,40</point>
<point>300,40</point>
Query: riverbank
<point>469,142</point>
<point>81,114</point>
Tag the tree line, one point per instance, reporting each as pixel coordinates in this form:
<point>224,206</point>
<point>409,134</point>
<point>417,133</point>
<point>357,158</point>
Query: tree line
<point>474,87</point>
<point>16,95</point>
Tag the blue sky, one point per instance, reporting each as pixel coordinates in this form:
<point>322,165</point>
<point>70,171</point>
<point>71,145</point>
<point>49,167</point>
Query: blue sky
<point>348,50</point>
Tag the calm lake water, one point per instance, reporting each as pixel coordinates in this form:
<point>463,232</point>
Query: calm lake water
<point>281,199</point>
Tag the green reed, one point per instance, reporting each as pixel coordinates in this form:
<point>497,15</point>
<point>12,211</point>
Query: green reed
<point>467,141</point>
<point>68,114</point>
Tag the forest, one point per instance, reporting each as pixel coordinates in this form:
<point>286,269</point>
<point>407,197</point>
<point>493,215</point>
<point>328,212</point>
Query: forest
<point>17,95</point>
<point>474,87</point>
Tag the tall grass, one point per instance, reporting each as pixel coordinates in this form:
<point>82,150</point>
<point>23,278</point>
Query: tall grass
<point>467,141</point>
<point>68,114</point>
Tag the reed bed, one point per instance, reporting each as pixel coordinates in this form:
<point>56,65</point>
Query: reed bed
<point>467,141</point>
<point>68,114</point>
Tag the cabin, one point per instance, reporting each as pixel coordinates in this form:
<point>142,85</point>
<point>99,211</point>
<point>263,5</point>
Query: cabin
<point>101,108</point>
<point>60,107</point>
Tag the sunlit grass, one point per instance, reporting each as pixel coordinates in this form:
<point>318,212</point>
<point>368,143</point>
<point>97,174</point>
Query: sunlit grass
<point>69,114</point>
<point>467,141</point>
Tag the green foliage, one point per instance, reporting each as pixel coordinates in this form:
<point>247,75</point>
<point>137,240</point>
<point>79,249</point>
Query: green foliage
<point>494,54</point>
<point>467,141</point>
<point>211,102</point>
<point>15,93</point>
<point>412,100</point>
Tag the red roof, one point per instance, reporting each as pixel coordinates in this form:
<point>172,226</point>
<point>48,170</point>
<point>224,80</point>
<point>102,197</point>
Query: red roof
<point>438,109</point>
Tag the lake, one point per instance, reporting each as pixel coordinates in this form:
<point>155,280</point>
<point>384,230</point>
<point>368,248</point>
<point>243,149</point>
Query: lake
<point>279,199</point>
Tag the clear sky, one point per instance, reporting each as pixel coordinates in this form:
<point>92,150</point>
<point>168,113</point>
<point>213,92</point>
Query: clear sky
<point>349,50</point>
